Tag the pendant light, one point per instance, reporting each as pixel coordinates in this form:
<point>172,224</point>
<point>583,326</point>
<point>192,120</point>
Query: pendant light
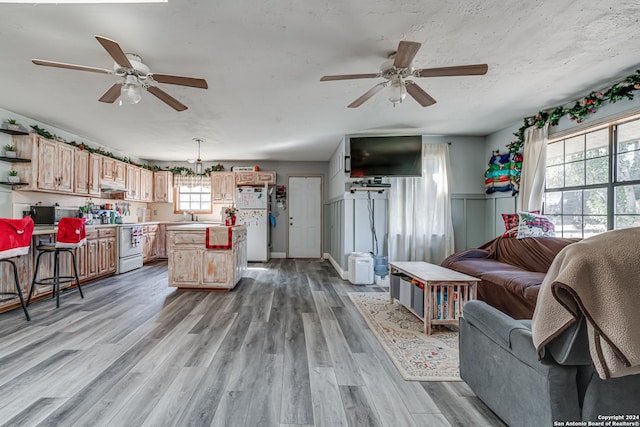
<point>198,166</point>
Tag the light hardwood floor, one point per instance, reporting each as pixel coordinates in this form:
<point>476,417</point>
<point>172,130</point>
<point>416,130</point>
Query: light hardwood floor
<point>285,348</point>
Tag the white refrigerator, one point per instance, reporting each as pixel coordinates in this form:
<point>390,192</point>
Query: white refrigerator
<point>252,204</point>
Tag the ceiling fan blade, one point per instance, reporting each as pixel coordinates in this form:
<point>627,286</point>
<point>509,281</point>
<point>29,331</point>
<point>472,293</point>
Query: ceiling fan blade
<point>349,77</point>
<point>405,54</point>
<point>166,98</point>
<point>70,66</point>
<point>116,52</point>
<point>365,97</point>
<point>180,80</point>
<point>418,94</point>
<point>112,94</point>
<point>461,70</point>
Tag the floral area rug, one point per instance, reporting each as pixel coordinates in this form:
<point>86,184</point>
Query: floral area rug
<point>417,356</point>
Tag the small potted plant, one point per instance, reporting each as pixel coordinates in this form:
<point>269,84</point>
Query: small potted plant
<point>13,176</point>
<point>10,151</point>
<point>12,124</point>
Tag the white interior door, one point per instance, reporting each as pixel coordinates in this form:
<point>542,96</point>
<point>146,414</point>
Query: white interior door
<point>305,217</point>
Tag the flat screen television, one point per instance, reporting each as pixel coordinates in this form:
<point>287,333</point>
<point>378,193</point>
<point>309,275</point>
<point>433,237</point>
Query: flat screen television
<point>373,156</point>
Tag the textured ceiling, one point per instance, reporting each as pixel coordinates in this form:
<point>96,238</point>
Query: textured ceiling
<point>263,61</point>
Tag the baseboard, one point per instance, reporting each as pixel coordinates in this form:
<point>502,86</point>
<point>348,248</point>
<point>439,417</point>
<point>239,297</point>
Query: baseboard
<point>278,255</point>
<point>336,266</point>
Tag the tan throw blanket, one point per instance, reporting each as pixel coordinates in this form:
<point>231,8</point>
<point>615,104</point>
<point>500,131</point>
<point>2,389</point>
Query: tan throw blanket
<point>600,277</point>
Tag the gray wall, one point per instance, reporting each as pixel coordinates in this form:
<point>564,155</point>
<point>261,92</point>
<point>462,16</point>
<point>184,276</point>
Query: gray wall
<point>283,170</point>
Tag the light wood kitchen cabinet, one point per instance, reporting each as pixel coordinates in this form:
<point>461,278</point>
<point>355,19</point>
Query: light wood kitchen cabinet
<point>132,183</point>
<point>107,251</point>
<point>81,172</point>
<point>265,177</point>
<point>223,187</point>
<point>245,178</point>
<point>55,166</point>
<point>150,243</point>
<point>192,265</point>
<point>113,171</point>
<point>162,241</point>
<point>95,169</point>
<point>256,178</point>
<point>86,173</point>
<point>146,185</point>
<point>163,187</point>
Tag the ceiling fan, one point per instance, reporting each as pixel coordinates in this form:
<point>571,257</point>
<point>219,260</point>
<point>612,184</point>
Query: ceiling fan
<point>396,70</point>
<point>135,76</point>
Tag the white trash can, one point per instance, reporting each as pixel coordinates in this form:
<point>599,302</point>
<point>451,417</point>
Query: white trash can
<point>360,268</point>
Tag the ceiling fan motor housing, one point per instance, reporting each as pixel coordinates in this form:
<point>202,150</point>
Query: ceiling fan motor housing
<point>139,68</point>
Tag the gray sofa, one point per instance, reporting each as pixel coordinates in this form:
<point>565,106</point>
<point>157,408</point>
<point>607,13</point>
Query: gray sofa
<point>500,364</point>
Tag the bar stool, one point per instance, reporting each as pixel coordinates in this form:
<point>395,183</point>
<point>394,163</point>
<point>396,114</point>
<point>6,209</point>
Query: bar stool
<point>71,235</point>
<point>15,240</point>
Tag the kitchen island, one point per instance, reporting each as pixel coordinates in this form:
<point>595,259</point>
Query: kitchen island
<point>206,256</point>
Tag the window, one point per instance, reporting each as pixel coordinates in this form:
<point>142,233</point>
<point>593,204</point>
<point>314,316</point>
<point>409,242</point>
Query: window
<point>593,180</point>
<point>192,194</point>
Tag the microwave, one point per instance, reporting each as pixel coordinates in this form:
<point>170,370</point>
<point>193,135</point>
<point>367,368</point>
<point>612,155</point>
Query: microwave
<point>50,215</point>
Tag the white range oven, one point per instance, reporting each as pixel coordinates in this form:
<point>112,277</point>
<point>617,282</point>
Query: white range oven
<point>130,244</point>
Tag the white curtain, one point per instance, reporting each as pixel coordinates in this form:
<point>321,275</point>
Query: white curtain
<point>420,227</point>
<point>534,162</point>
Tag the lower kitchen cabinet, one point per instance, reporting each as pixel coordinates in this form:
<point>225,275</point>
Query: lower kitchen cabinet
<point>96,258</point>
<point>192,265</point>
<point>150,243</point>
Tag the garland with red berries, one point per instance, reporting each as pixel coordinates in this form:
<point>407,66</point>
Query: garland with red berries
<point>580,110</point>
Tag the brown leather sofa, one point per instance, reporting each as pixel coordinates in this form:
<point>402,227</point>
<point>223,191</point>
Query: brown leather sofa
<point>511,270</point>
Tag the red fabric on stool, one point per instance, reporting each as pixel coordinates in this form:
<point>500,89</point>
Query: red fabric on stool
<point>15,236</point>
<point>71,233</point>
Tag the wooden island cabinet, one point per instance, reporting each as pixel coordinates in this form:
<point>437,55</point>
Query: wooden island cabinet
<point>194,266</point>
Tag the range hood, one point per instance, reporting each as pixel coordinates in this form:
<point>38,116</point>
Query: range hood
<point>110,187</point>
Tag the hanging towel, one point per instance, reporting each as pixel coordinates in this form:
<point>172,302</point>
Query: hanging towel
<point>136,235</point>
<point>219,237</point>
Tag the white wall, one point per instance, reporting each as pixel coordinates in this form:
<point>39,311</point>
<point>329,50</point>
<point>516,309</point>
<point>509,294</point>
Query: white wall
<point>12,203</point>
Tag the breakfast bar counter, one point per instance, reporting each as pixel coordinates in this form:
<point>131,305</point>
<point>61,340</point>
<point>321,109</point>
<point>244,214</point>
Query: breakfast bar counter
<point>206,256</point>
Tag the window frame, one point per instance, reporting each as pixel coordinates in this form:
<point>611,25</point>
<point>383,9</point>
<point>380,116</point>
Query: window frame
<point>176,202</point>
<point>612,177</point>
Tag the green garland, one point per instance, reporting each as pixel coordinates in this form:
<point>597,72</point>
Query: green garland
<point>176,170</point>
<point>589,104</point>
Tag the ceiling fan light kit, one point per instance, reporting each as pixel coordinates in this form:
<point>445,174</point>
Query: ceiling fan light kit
<point>131,92</point>
<point>135,77</point>
<point>397,68</point>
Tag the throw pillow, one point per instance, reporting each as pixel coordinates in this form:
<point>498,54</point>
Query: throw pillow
<point>533,225</point>
<point>511,224</point>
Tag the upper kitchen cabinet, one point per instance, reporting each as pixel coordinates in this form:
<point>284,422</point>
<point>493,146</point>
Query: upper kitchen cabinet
<point>55,166</point>
<point>223,187</point>
<point>146,185</point>
<point>163,187</point>
<point>95,171</point>
<point>256,178</point>
<point>81,176</point>
<point>114,171</point>
<point>87,173</point>
<point>132,183</point>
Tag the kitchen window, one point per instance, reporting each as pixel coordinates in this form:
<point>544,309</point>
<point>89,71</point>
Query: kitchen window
<point>593,180</point>
<point>192,194</point>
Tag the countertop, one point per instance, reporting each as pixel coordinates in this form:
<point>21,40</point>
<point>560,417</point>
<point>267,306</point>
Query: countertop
<point>200,226</point>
